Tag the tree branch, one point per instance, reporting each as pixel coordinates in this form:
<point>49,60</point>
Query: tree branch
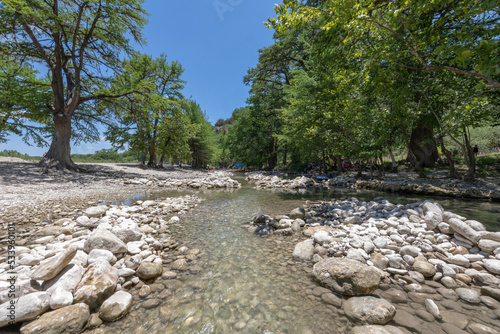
<point>490,82</point>
<point>36,42</point>
<point>106,96</point>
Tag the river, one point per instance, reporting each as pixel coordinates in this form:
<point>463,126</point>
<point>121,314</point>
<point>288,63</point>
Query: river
<point>243,283</point>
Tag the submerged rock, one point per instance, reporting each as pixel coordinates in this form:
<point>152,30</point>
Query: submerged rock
<point>376,329</point>
<point>148,270</point>
<point>469,295</point>
<point>304,250</point>
<point>432,308</point>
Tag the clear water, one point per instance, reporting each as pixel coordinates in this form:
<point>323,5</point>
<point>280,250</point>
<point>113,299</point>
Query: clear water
<point>242,283</point>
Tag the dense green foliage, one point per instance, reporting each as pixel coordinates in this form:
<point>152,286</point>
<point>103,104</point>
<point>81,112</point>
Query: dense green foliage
<point>345,80</point>
<point>144,116</point>
<point>157,121</point>
<point>107,155</point>
<point>486,137</point>
<point>23,99</point>
<point>16,154</point>
<point>356,80</point>
<point>94,76</point>
<point>76,41</point>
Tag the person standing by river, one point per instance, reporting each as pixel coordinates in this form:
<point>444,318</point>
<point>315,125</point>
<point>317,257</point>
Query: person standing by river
<point>475,150</point>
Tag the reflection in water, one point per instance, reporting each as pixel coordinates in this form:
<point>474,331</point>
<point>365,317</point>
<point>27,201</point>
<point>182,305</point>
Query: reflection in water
<point>243,283</point>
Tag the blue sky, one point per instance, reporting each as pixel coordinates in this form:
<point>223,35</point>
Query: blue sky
<point>216,41</point>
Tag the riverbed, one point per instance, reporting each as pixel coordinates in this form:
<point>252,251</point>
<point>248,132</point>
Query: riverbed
<point>240,282</point>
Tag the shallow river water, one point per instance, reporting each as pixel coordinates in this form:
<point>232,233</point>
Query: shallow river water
<point>242,283</point>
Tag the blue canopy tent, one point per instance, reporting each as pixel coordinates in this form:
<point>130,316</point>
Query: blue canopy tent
<point>239,164</point>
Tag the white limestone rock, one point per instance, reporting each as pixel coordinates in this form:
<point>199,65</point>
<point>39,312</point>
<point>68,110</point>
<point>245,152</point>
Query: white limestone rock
<point>52,266</point>
<point>116,306</point>
<point>60,298</point>
<point>96,211</point>
<point>26,307</point>
<point>304,250</point>
<point>100,254</point>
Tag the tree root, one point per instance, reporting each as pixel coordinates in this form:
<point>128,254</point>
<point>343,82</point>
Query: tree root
<point>54,164</point>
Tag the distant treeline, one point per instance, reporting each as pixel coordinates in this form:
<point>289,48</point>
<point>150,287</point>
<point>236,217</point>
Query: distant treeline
<point>104,155</point>
<point>107,155</point>
<point>16,154</point>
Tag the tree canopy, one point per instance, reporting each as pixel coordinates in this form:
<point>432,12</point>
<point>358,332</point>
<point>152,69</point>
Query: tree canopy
<point>351,80</point>
<point>77,42</point>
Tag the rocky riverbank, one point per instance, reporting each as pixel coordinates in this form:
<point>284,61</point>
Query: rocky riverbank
<point>263,181</point>
<point>81,271</point>
<point>452,189</point>
<point>32,195</point>
<point>395,268</point>
<point>70,264</point>
<point>274,182</point>
<point>215,180</point>
<point>434,185</point>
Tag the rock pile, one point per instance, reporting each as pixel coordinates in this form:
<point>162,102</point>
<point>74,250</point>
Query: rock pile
<point>215,180</point>
<point>452,190</point>
<point>437,187</point>
<point>80,268</point>
<point>274,182</point>
<point>416,253</point>
<point>342,181</point>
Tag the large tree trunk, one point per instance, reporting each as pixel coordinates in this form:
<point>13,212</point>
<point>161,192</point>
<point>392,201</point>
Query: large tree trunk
<point>196,159</point>
<point>272,160</point>
<point>144,156</point>
<point>152,156</point>
<point>423,146</point>
<point>469,157</point>
<point>413,160</point>
<point>449,159</point>
<point>285,156</point>
<point>323,163</point>
<point>59,154</point>
<point>162,157</point>
<point>338,161</point>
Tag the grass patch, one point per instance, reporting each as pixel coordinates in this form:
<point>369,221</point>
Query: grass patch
<point>488,165</point>
<point>489,160</point>
<point>16,154</point>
